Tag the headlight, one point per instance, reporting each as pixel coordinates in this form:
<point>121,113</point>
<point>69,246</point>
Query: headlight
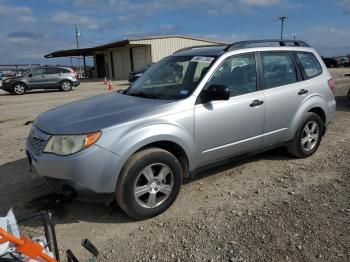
<point>70,144</point>
<point>138,75</point>
<point>6,80</point>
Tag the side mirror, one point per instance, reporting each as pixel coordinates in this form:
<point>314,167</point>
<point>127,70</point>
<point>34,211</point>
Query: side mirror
<point>216,92</point>
<point>30,75</point>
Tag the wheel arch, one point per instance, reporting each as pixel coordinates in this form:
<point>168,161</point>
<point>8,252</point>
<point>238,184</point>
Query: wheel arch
<point>315,105</point>
<point>173,148</point>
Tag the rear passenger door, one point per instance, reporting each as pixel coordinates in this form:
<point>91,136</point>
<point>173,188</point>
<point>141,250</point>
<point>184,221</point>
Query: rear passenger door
<point>284,93</point>
<point>52,77</point>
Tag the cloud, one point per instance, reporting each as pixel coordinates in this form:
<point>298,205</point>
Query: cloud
<point>25,34</point>
<point>22,13</point>
<point>261,2</point>
<point>26,19</point>
<point>68,18</point>
<point>346,5</point>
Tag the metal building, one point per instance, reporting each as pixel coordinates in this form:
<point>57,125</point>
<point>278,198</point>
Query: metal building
<point>116,60</point>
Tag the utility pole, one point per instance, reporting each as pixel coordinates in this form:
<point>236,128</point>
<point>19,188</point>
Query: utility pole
<point>282,18</point>
<point>77,35</point>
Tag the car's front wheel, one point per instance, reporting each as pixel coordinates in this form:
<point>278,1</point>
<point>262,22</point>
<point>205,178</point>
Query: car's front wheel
<point>19,89</point>
<point>149,183</point>
<point>66,85</point>
<point>308,136</point>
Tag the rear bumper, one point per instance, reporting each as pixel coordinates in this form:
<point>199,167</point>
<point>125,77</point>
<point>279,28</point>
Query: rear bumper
<point>332,108</point>
<point>76,82</point>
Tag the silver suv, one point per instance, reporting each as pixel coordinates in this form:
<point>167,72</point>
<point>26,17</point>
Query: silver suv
<point>136,146</point>
<point>44,77</point>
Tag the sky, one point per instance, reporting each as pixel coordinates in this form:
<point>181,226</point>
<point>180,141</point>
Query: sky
<point>29,29</point>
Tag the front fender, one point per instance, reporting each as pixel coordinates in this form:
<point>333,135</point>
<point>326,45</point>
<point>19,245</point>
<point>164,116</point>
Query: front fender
<point>310,103</point>
<point>127,140</point>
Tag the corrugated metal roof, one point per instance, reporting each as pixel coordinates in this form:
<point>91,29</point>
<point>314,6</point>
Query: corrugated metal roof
<point>120,43</point>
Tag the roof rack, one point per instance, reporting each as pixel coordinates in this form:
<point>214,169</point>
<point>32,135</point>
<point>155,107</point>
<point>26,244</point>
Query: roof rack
<point>265,43</point>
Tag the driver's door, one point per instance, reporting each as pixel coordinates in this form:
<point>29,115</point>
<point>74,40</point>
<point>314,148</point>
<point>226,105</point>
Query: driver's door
<point>234,126</point>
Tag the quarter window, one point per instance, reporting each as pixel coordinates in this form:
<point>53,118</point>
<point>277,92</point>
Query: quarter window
<point>310,65</point>
<point>238,74</point>
<point>278,69</point>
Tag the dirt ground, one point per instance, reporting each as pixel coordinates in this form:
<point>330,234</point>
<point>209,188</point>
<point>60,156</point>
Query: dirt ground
<point>270,207</point>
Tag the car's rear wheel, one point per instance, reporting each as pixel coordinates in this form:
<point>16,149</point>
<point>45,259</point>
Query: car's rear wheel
<point>66,85</point>
<point>149,183</point>
<point>308,136</point>
<point>19,89</point>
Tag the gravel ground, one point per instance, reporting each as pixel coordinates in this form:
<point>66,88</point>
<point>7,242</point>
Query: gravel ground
<point>267,208</point>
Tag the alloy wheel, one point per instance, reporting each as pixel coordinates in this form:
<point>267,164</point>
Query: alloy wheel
<point>19,89</point>
<point>153,185</point>
<point>310,136</point>
<point>66,86</point>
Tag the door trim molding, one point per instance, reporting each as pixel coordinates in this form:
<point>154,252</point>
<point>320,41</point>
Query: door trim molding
<point>244,140</point>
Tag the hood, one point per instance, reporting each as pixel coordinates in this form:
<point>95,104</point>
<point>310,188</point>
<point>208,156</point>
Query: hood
<point>96,113</point>
<point>13,78</point>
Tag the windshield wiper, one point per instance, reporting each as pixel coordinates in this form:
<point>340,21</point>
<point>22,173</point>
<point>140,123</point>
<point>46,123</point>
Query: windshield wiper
<point>141,94</point>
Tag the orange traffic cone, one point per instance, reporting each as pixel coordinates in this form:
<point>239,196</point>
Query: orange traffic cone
<point>105,82</point>
<point>110,85</point>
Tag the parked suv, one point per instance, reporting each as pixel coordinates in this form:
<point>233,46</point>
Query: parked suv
<point>138,145</point>
<point>45,77</point>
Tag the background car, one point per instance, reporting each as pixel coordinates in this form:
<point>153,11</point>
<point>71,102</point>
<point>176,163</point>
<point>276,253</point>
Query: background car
<point>330,62</point>
<point>45,77</point>
<point>137,73</point>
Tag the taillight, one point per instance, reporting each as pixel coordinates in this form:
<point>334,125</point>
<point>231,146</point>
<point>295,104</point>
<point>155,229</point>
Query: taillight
<point>331,84</point>
<point>74,73</point>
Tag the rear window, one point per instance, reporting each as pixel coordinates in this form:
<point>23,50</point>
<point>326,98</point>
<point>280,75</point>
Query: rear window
<point>310,66</point>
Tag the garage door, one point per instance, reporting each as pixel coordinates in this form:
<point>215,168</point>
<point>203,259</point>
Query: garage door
<point>139,57</point>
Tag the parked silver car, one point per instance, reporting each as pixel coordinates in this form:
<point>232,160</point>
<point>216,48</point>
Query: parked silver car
<point>137,146</point>
<point>44,77</point>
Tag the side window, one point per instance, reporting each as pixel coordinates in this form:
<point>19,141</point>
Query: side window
<point>52,71</point>
<point>238,73</point>
<point>278,69</point>
<point>310,65</point>
<point>38,71</point>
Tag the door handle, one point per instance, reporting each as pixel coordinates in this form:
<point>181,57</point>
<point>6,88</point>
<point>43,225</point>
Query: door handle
<point>256,103</point>
<point>303,92</point>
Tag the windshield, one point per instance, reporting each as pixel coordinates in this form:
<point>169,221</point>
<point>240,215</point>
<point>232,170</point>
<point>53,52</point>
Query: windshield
<point>172,78</point>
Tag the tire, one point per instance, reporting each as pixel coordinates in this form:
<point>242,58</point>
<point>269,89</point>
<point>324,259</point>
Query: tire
<point>305,144</point>
<point>136,174</point>
<point>66,85</point>
<point>19,88</point>
<point>348,95</point>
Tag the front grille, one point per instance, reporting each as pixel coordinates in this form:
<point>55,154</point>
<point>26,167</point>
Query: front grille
<point>37,145</point>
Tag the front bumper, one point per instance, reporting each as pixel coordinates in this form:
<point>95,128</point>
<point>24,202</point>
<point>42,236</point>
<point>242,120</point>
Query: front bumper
<point>90,172</point>
<point>7,86</point>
